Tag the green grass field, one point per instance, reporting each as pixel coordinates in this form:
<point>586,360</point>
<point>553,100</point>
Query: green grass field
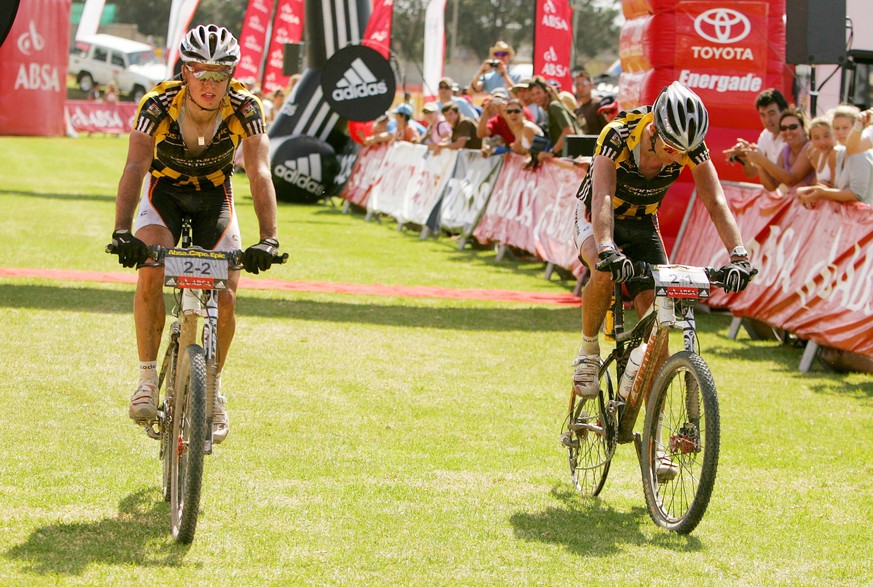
<point>382,440</point>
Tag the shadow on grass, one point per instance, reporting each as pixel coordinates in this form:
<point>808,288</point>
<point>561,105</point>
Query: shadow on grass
<point>588,527</point>
<point>83,299</point>
<point>138,535</point>
<point>93,197</point>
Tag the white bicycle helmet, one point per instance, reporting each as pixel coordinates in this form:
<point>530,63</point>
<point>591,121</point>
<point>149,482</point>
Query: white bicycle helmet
<point>680,117</point>
<point>210,45</point>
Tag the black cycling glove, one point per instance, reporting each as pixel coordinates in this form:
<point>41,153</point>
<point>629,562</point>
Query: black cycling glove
<point>130,250</point>
<point>259,257</point>
<point>617,264</point>
<point>737,275</point>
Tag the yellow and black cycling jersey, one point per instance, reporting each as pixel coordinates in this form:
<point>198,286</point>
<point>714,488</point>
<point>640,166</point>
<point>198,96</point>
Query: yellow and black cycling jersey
<point>635,195</point>
<point>158,116</point>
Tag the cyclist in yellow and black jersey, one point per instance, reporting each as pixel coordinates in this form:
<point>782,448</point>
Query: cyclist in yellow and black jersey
<point>638,157</point>
<point>183,143</point>
<point>159,116</point>
<point>636,195</point>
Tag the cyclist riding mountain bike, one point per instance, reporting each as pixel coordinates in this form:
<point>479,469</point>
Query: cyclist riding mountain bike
<point>185,136</point>
<point>637,158</point>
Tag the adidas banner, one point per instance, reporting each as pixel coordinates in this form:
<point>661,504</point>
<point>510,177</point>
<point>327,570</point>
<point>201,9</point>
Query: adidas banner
<point>358,83</point>
<point>304,168</point>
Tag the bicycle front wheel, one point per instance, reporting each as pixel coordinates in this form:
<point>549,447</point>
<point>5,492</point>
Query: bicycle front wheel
<point>189,436</point>
<point>589,436</point>
<point>681,443</point>
<point>167,382</point>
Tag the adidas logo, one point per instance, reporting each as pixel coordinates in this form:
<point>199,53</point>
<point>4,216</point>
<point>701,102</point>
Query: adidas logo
<point>358,82</point>
<point>304,172</point>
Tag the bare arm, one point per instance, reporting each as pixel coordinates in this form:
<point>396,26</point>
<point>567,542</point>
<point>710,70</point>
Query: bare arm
<point>711,194</point>
<point>603,182</point>
<point>790,177</point>
<point>257,163</point>
<point>140,152</point>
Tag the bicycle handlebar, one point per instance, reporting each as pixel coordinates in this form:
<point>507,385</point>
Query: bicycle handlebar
<point>643,275</point>
<point>157,253</point>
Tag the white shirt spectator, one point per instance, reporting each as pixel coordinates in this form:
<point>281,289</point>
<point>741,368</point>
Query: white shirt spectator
<point>771,146</point>
<point>855,172</point>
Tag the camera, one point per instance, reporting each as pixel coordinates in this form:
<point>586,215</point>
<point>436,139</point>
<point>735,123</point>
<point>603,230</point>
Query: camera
<point>493,62</point>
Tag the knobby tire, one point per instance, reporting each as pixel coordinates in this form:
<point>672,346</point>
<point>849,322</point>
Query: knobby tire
<point>682,420</point>
<point>189,435</point>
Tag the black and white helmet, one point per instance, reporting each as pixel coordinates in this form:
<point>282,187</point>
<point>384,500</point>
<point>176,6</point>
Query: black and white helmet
<point>680,117</point>
<point>210,45</point>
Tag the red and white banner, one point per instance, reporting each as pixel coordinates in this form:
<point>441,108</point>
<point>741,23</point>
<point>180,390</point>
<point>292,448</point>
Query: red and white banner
<point>816,265</point>
<point>89,116</point>
<point>468,192</point>
<point>534,210</point>
<point>365,174</point>
<point>33,70</point>
<point>253,40</point>
<point>287,28</point>
<point>378,33</point>
<point>553,41</point>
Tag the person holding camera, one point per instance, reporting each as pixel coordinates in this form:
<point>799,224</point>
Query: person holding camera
<point>495,71</point>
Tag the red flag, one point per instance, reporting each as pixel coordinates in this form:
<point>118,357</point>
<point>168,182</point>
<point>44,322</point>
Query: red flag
<point>33,70</point>
<point>378,33</point>
<point>553,41</point>
<point>253,40</point>
<point>287,28</point>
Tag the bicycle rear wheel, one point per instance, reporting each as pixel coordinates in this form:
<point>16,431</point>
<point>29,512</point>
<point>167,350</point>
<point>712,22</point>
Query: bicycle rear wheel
<point>189,436</point>
<point>589,436</point>
<point>681,443</point>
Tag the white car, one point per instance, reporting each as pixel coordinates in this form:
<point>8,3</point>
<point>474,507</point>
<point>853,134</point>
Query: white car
<point>102,59</point>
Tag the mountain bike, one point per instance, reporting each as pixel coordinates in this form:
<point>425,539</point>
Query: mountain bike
<point>187,379</point>
<point>679,445</point>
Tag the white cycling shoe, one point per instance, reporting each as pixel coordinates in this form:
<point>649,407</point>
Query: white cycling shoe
<point>586,375</point>
<point>220,420</point>
<point>144,402</point>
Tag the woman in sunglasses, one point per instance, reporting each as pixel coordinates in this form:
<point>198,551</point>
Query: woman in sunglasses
<point>183,143</point>
<point>638,156</point>
<point>793,168</point>
<point>522,129</point>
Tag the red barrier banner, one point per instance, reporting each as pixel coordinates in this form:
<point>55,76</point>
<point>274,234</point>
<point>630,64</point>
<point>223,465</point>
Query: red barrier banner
<point>556,214</point>
<point>33,70</point>
<point>534,210</point>
<point>553,41</point>
<point>87,116</point>
<point>365,173</point>
<point>816,265</point>
<point>377,35</point>
<point>287,28</point>
<point>253,40</point>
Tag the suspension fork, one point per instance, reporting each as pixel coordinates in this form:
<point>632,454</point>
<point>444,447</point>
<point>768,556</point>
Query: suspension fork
<point>210,347</point>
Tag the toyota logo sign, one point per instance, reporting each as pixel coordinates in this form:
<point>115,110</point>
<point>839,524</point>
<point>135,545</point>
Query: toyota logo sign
<point>722,25</point>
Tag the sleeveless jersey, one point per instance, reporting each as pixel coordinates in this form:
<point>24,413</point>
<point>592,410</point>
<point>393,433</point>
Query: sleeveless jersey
<point>621,140</point>
<point>158,116</point>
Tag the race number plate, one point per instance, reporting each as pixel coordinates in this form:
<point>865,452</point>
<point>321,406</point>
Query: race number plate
<point>195,269</point>
<point>680,281</point>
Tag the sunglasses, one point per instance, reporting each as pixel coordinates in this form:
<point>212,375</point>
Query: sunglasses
<point>790,126</point>
<point>444,87</point>
<point>670,149</point>
<point>501,53</point>
<point>209,74</point>
<point>513,111</point>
